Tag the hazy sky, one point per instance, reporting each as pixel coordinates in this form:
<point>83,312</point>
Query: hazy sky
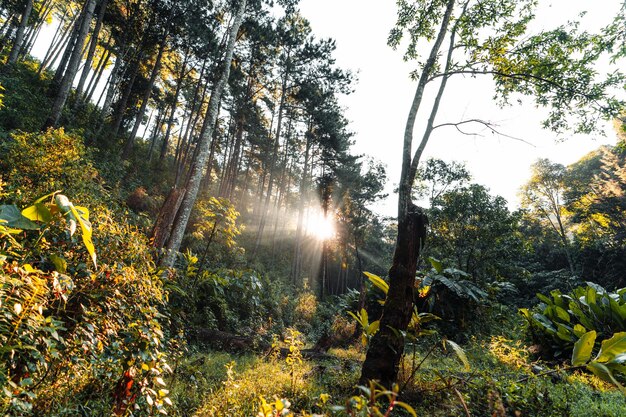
<point>379,106</point>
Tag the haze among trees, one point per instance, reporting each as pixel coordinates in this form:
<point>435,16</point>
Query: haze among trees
<point>186,228</point>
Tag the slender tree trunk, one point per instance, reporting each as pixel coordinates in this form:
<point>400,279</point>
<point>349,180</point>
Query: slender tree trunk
<point>59,45</point>
<point>19,36</point>
<point>72,67</point>
<point>70,47</point>
<point>155,133</point>
<point>128,146</point>
<point>35,30</point>
<point>92,47</point>
<point>200,162</point>
<point>387,345</point>
<point>122,104</point>
<point>170,121</point>
<point>296,267</point>
<point>112,86</point>
<point>273,157</point>
<point>95,79</point>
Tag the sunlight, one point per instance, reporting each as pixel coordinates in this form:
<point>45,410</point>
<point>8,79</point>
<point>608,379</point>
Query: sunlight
<point>322,228</point>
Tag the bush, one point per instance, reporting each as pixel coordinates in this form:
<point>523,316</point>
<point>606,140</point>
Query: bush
<point>561,319</point>
<point>78,338</point>
<point>34,164</point>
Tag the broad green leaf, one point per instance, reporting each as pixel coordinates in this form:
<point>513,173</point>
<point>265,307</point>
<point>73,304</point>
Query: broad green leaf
<point>378,282</point>
<point>579,330</point>
<point>460,353</point>
<point>544,299</point>
<point>78,215</point>
<point>38,212</point>
<point>373,328</point>
<point>364,317</point>
<point>591,296</point>
<point>561,314</point>
<point>601,371</point>
<point>60,264</point>
<point>15,219</point>
<point>583,348</point>
<point>437,264</point>
<point>85,226</point>
<point>612,347</point>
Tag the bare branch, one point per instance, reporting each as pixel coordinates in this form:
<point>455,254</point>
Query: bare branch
<point>489,126</point>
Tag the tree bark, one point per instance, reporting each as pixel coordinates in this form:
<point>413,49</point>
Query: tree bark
<point>387,345</point>
<point>19,36</point>
<point>273,157</point>
<point>128,146</point>
<point>92,47</point>
<point>200,162</point>
<point>72,67</point>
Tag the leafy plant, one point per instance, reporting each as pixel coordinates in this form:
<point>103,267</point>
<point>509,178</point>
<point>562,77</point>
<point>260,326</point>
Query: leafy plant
<point>560,320</point>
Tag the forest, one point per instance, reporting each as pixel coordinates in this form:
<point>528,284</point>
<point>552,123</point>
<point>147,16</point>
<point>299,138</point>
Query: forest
<point>187,228</point>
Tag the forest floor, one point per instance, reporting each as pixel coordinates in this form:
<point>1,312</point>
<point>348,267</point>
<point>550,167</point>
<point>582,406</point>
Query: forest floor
<point>502,380</point>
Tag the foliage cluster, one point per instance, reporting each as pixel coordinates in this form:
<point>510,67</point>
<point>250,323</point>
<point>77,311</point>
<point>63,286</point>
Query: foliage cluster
<point>77,338</point>
<point>561,319</point>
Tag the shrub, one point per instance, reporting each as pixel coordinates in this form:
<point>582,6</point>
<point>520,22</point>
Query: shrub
<point>560,319</point>
<point>34,164</point>
<point>77,338</point>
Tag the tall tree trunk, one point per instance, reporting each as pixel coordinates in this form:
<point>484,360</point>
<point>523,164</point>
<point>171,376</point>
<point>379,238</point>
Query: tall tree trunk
<point>72,67</point>
<point>69,50</point>
<point>155,132</point>
<point>273,158</point>
<point>60,44</point>
<point>200,162</point>
<point>170,121</point>
<point>387,345</point>
<point>19,36</point>
<point>128,146</point>
<point>296,266</point>
<point>92,47</point>
<point>95,79</point>
<point>122,104</point>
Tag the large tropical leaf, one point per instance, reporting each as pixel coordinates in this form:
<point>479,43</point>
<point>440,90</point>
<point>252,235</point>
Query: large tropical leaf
<point>14,219</point>
<point>583,348</point>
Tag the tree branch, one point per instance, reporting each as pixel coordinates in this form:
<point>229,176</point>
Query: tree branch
<point>489,126</point>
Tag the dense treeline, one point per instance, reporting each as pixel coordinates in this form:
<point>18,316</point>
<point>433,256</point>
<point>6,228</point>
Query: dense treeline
<point>279,141</point>
<point>178,176</point>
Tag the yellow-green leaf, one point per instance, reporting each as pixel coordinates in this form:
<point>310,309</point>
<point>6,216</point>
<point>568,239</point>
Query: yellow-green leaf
<point>378,282</point>
<point>583,348</point>
<point>612,347</point>
<point>38,212</point>
<point>601,371</point>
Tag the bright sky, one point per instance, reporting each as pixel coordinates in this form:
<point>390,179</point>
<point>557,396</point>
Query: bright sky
<point>380,104</point>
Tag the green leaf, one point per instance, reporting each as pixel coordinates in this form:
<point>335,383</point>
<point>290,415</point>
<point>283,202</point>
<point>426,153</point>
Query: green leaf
<point>82,214</point>
<point>612,347</point>
<point>378,282</point>
<point>78,215</point>
<point>460,353</point>
<point>437,264</point>
<point>601,371</point>
<point>15,219</point>
<point>591,296</point>
<point>583,348</point>
<point>561,314</point>
<point>38,212</point>
<point>579,330</point>
<point>373,328</point>
<point>60,264</point>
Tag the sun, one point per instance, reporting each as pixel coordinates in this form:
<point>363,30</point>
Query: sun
<point>322,228</point>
